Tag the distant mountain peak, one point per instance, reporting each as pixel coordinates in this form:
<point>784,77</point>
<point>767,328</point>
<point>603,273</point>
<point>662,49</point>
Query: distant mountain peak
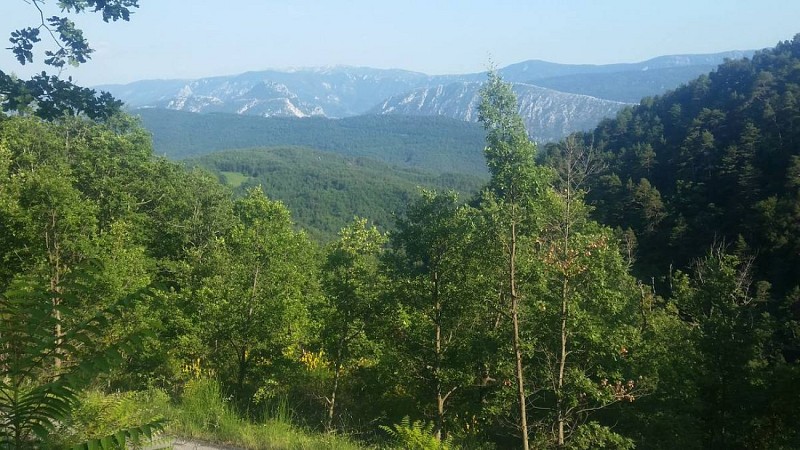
<point>571,96</point>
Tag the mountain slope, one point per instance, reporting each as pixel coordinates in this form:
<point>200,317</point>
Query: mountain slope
<point>325,191</point>
<point>630,86</point>
<point>330,92</point>
<point>717,160</point>
<point>706,180</point>
<point>433,144</point>
<point>345,91</point>
<point>548,114</point>
<point>533,70</point>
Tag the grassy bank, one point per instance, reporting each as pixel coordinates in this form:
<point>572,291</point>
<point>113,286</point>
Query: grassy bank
<point>202,414</point>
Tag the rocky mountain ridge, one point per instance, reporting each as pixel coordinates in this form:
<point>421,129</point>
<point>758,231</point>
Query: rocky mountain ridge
<point>555,99</point>
<point>548,114</point>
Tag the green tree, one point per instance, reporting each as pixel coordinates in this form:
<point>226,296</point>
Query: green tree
<point>510,202</point>
<point>731,336</point>
<point>71,46</point>
<point>254,297</point>
<point>36,395</point>
<point>646,208</point>
<point>587,328</point>
<point>352,285</point>
<point>68,196</point>
<point>62,204</point>
<point>436,286</point>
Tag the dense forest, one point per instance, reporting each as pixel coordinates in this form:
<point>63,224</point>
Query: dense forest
<point>632,287</point>
<point>717,156</point>
<point>715,165</point>
<point>433,144</point>
<point>324,190</point>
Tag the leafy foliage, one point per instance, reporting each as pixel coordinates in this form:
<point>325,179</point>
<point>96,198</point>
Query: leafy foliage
<point>325,191</point>
<point>416,435</point>
<point>36,393</point>
<point>511,314</point>
<point>352,286</point>
<point>712,165</point>
<point>509,152</point>
<point>72,47</point>
<point>254,294</point>
<point>115,420</point>
<point>50,98</point>
<point>709,162</point>
<point>439,300</point>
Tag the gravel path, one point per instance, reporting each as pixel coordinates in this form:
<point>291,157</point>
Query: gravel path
<point>186,444</point>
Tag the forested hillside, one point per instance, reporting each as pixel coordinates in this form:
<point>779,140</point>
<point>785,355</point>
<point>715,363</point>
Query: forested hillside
<point>715,161</point>
<point>325,191</point>
<point>716,165</point>
<point>433,144</point>
<point>553,97</point>
<point>632,287</point>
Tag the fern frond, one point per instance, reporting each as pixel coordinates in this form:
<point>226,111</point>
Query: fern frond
<point>135,437</point>
<point>417,435</point>
<point>35,391</point>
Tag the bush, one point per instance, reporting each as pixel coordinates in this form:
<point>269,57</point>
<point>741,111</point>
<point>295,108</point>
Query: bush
<point>97,416</point>
<point>416,436</point>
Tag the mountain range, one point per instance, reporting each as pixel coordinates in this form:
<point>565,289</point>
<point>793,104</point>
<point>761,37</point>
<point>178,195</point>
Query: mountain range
<point>549,115</point>
<point>555,99</point>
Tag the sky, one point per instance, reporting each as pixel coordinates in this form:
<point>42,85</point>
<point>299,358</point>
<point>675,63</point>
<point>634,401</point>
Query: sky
<point>197,38</point>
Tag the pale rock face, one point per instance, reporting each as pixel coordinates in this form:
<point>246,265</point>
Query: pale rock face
<point>548,115</point>
<point>340,91</point>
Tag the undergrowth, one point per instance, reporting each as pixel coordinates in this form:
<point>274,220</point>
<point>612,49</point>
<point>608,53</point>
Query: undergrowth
<point>205,414</point>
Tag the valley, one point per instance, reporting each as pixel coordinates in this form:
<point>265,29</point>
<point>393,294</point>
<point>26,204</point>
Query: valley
<point>555,99</point>
<point>535,256</point>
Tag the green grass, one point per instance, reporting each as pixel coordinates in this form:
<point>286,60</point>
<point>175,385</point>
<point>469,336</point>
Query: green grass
<point>234,179</point>
<point>203,414</point>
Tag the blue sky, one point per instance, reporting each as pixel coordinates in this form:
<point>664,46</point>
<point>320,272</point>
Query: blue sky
<point>195,38</point>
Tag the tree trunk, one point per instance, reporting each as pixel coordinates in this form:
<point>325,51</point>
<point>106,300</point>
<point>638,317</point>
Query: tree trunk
<point>242,372</point>
<point>562,363</point>
<point>59,334</point>
<point>243,361</point>
<point>438,358</point>
<point>562,360</point>
<point>439,412</point>
<point>54,257</point>
<point>523,415</point>
<point>337,370</point>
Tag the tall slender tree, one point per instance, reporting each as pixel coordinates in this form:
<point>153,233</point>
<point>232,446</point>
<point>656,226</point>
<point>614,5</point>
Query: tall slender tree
<point>587,329</point>
<point>516,181</point>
